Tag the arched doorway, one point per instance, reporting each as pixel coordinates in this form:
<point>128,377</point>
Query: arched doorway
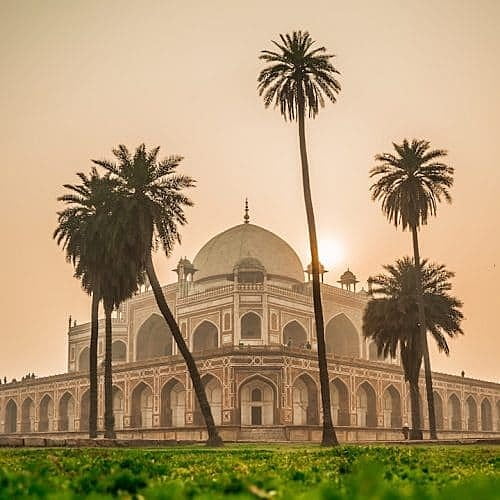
<point>257,402</point>
<point>85,411</point>
<point>46,421</point>
<point>142,406</point>
<point>366,406</point>
<point>342,337</point>
<point>11,417</point>
<point>28,415</point>
<point>251,326</point>
<point>213,390</point>
<point>305,401</point>
<point>205,337</point>
<point>118,351</point>
<point>486,415</point>
<point>471,414</point>
<point>392,408</point>
<point>438,410</point>
<point>454,413</point>
<point>154,339</point>
<point>67,413</point>
<point>84,360</point>
<point>118,407</point>
<point>173,404</point>
<point>339,396</point>
<point>294,334</point>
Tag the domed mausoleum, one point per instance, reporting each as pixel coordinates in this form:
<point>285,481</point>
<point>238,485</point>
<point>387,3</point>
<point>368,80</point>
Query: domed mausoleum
<point>244,307</point>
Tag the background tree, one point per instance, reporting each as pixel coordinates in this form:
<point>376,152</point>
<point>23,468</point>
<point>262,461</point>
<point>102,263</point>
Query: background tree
<point>298,79</point>
<point>80,232</point>
<point>153,194</point>
<point>391,318</point>
<point>410,184</point>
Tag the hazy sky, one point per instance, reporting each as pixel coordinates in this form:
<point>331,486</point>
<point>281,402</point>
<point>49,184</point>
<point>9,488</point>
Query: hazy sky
<point>77,78</point>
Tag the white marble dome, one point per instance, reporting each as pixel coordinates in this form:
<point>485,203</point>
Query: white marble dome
<point>218,257</point>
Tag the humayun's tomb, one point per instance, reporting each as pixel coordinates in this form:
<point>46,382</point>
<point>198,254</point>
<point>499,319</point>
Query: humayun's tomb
<point>244,306</point>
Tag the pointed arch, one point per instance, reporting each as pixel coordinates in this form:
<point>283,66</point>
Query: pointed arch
<point>173,404</point>
<point>84,360</point>
<point>213,390</point>
<point>438,410</point>
<point>67,412</point>
<point>46,414</point>
<point>305,401</point>
<point>486,415</point>
<point>28,415</point>
<point>153,339</point>
<point>366,405</point>
<point>85,410</point>
<point>339,400</point>
<point>118,407</point>
<point>251,326</point>
<point>392,408</point>
<point>142,406</point>
<point>257,410</point>
<point>454,413</point>
<point>294,334</point>
<point>471,414</point>
<point>11,417</point>
<point>205,337</point>
<point>119,351</point>
<point>342,337</point>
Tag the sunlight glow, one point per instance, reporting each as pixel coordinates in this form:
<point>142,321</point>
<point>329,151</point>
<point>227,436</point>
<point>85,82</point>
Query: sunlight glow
<point>331,252</point>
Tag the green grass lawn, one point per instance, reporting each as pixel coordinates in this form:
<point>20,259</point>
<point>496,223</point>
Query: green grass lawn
<point>246,471</point>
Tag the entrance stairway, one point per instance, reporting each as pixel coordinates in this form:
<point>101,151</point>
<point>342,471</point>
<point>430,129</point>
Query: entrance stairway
<point>262,433</point>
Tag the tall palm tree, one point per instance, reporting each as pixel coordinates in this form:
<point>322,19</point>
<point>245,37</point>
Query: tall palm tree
<point>80,232</point>
<point>410,184</point>
<point>299,78</point>
<point>154,195</point>
<point>391,318</point>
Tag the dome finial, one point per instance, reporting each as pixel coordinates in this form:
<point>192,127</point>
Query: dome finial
<point>246,217</point>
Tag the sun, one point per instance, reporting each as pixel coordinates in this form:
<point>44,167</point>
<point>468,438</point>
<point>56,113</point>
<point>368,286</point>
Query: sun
<point>331,252</point>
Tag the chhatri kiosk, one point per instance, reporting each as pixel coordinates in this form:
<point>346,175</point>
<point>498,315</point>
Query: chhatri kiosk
<point>245,309</point>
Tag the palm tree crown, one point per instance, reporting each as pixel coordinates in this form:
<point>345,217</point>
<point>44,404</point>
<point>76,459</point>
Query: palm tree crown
<point>411,183</point>
<point>391,317</point>
<point>296,72</point>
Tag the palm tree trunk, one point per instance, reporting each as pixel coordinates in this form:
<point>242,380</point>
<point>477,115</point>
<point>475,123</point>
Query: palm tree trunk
<point>416,425</point>
<point>109,418</point>
<point>94,334</point>
<point>423,336</point>
<point>213,436</point>
<point>329,436</point>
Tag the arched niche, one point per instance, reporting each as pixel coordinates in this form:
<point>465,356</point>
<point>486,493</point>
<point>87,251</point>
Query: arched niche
<point>339,400</point>
<point>392,408</point>
<point>342,337</point>
<point>84,360</point>
<point>142,406</point>
<point>257,397</point>
<point>486,415</point>
<point>471,414</point>
<point>28,415</point>
<point>154,339</point>
<point>294,334</point>
<point>11,417</point>
<point>251,326</point>
<point>366,405</point>
<point>205,337</point>
<point>67,412</point>
<point>454,413</point>
<point>46,413</point>
<point>85,411</point>
<point>173,404</point>
<point>305,401</point>
<point>118,407</point>
<point>119,351</point>
<point>213,390</point>
<point>438,410</point>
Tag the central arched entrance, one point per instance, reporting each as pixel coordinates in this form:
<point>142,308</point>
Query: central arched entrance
<point>257,402</point>
<point>305,401</point>
<point>342,337</point>
<point>173,404</point>
<point>154,339</point>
